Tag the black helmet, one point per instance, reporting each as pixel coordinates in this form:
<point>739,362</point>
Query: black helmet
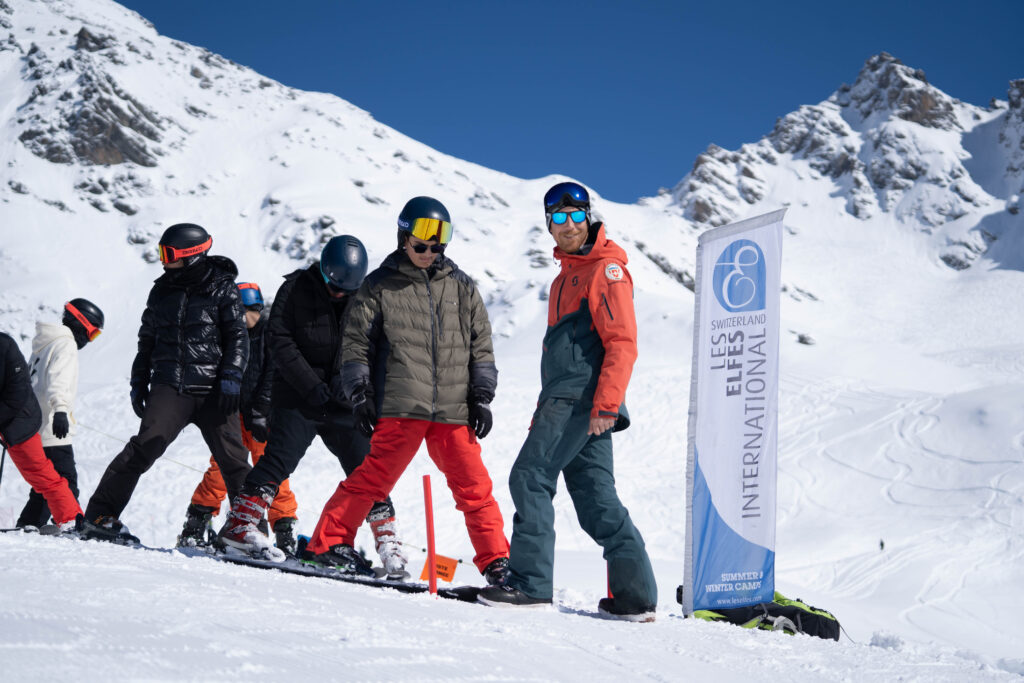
<point>184,241</point>
<point>426,218</point>
<point>84,319</point>
<point>343,263</point>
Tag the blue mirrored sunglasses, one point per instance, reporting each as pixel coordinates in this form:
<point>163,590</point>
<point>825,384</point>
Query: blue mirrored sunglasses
<point>558,194</point>
<point>558,218</point>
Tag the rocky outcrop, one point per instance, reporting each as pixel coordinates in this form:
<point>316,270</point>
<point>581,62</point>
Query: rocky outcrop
<point>886,87</point>
<point>77,112</point>
<point>868,139</point>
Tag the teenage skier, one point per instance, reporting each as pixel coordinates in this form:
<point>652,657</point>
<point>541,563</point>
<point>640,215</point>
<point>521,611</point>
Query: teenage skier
<point>307,322</point>
<point>255,414</point>
<point>20,419</point>
<point>589,351</point>
<point>192,351</point>
<point>53,367</point>
<point>417,355</point>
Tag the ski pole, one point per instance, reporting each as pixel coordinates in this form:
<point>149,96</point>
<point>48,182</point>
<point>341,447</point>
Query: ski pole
<point>3,459</point>
<point>428,506</point>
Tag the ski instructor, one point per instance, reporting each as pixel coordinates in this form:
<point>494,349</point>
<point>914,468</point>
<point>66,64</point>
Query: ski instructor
<point>193,348</point>
<point>589,351</point>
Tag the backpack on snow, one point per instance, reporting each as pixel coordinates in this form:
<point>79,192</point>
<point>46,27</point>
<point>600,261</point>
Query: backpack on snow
<point>783,614</point>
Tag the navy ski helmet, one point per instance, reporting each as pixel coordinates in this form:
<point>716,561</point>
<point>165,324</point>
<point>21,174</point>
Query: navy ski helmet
<point>84,319</point>
<point>184,241</point>
<point>425,218</point>
<point>564,195</point>
<point>343,263</point>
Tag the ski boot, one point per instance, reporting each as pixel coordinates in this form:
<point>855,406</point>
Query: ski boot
<point>345,559</point>
<point>505,595</point>
<point>385,535</point>
<point>284,533</point>
<point>608,608</point>
<point>197,531</point>
<point>105,528</point>
<point>241,530</point>
<point>496,572</point>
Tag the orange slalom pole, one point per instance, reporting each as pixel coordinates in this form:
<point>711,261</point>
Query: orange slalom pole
<point>428,507</point>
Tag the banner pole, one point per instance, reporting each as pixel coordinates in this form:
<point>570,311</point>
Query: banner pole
<point>428,507</point>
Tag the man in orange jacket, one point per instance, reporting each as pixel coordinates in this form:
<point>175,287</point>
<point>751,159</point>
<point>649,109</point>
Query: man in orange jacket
<point>589,351</point>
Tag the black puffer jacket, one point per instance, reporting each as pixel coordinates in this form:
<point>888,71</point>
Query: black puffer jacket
<point>193,329</point>
<point>306,327</point>
<point>259,372</point>
<point>20,417</point>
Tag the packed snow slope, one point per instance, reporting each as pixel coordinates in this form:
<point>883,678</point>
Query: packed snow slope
<point>901,423</point>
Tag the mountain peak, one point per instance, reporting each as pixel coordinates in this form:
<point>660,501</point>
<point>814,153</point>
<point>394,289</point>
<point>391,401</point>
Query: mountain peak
<point>886,87</point>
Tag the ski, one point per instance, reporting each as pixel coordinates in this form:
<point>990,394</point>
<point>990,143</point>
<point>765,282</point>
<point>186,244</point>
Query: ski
<point>292,565</point>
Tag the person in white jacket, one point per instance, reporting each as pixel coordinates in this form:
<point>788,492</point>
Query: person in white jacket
<point>53,369</point>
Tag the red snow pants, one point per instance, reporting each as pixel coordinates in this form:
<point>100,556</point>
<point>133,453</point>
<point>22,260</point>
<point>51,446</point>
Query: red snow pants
<point>31,461</point>
<point>455,451</point>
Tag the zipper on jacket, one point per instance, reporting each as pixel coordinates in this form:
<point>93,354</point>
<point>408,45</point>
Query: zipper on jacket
<point>558,301</point>
<point>181,341</point>
<point>608,308</point>
<point>433,348</point>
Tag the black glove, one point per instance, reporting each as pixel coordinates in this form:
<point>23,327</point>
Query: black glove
<point>259,426</point>
<point>230,398</point>
<point>319,396</point>
<point>60,425</point>
<point>480,419</point>
<point>337,390</point>
<point>140,393</point>
<point>365,411</point>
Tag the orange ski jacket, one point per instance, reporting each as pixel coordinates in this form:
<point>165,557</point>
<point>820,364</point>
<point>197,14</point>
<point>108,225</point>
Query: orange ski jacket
<point>590,344</point>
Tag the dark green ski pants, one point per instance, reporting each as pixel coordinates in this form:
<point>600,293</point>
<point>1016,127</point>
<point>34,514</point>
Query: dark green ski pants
<point>558,444</point>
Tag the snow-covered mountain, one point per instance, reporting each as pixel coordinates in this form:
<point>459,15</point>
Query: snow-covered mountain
<point>900,416</point>
<point>889,144</point>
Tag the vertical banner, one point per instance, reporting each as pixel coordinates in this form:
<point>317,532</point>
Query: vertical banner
<point>733,417</point>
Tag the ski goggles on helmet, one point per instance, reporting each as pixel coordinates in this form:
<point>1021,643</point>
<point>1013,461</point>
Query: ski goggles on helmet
<point>566,194</point>
<point>559,217</point>
<point>252,297</point>
<point>91,331</point>
<point>169,254</point>
<point>427,229</point>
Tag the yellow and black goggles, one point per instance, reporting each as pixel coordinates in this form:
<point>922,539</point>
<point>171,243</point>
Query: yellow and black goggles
<point>428,228</point>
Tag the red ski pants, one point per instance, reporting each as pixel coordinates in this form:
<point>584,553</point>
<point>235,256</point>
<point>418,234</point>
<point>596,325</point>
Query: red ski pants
<point>211,490</point>
<point>31,461</point>
<point>455,451</point>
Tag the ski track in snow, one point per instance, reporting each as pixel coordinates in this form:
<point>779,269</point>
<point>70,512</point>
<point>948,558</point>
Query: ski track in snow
<point>891,455</point>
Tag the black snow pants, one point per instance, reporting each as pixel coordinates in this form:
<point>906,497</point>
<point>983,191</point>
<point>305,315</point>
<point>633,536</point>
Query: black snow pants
<point>167,414</point>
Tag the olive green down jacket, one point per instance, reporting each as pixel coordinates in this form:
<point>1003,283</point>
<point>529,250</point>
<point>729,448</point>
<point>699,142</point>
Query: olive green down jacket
<point>420,339</point>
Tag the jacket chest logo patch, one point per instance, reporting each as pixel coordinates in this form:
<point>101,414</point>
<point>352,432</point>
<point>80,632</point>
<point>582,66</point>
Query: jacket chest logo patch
<point>575,280</point>
<point>613,271</point>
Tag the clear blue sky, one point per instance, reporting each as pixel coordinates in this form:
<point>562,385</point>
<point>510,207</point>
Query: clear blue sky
<point>619,95</point>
